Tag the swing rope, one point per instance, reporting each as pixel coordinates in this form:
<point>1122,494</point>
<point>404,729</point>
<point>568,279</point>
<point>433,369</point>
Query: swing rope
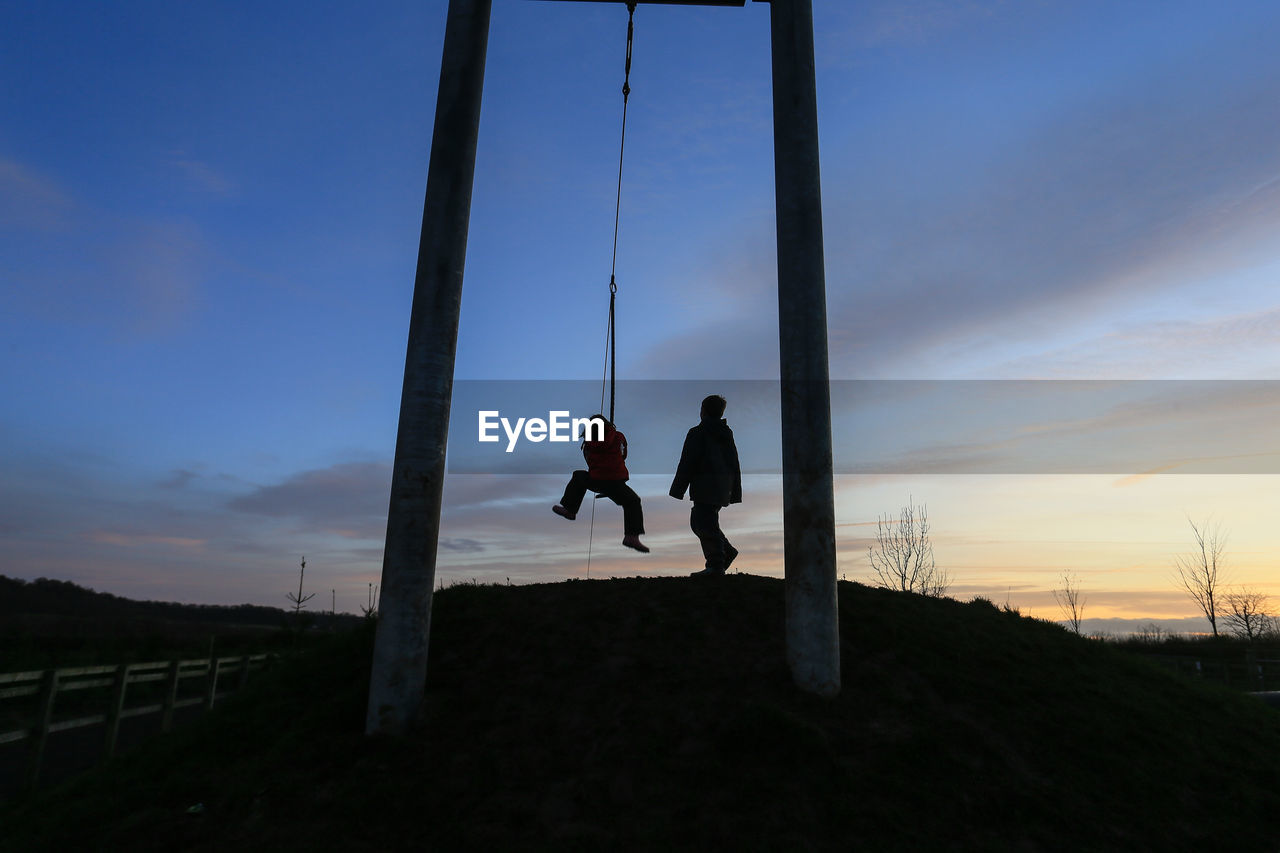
<point>610,379</point>
<point>611,360</point>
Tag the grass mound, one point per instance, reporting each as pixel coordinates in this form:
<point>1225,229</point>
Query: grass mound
<point>659,714</point>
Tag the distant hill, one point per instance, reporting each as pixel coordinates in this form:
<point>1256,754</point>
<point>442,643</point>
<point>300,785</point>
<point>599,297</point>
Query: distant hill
<point>52,623</point>
<point>62,598</point>
<point>658,714</point>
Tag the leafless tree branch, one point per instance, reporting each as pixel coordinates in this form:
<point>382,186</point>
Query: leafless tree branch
<point>1070,600</point>
<point>1200,572</point>
<point>902,557</point>
<point>1247,614</point>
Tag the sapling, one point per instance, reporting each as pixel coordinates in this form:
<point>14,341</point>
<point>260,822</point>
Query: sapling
<point>300,600</point>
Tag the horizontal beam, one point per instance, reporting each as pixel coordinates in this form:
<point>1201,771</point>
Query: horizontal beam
<point>664,2</point>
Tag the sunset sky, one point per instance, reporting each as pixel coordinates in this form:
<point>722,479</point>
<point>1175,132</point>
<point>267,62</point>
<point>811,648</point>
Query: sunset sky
<point>209,220</point>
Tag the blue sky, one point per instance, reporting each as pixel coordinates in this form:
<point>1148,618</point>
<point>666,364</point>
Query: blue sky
<point>208,229</point>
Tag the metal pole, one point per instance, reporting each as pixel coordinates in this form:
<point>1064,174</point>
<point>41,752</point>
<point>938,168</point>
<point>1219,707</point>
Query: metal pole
<point>808,502</point>
<point>413,519</point>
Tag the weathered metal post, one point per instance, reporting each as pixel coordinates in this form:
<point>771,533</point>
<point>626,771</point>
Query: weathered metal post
<point>413,520</point>
<point>808,501</point>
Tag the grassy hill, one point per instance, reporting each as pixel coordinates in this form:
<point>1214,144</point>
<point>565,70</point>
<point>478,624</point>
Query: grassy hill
<point>658,714</point>
<point>51,623</point>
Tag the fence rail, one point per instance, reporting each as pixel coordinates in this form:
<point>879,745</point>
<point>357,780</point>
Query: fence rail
<point>43,687</point>
<point>1249,673</point>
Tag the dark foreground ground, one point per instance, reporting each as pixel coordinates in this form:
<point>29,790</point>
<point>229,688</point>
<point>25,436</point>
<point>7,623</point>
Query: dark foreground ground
<point>657,714</point>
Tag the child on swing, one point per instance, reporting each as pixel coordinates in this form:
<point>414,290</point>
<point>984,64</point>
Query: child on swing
<point>606,475</point>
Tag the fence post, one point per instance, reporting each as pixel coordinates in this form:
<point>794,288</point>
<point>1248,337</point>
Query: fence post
<point>244,671</point>
<point>211,689</point>
<point>170,696</point>
<point>48,690</point>
<point>118,691</point>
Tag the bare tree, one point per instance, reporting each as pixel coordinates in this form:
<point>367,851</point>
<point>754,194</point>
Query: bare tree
<point>1248,613</point>
<point>902,557</point>
<point>371,611</point>
<point>1150,633</point>
<point>300,600</point>
<point>1070,600</point>
<point>1200,572</point>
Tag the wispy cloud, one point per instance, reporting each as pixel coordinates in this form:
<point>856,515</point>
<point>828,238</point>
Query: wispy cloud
<point>1240,345</point>
<point>346,499</point>
<point>161,267</point>
<point>462,545</point>
<point>1083,203</point>
<point>178,479</point>
<point>199,176</point>
<point>133,540</point>
<point>938,247</point>
<point>917,21</point>
<point>30,201</point>
<point>70,264</point>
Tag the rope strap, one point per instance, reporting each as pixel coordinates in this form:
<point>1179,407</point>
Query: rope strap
<point>611,341</point>
<point>611,344</point>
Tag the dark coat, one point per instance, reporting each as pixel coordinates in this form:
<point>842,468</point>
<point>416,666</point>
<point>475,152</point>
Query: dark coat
<point>709,465</point>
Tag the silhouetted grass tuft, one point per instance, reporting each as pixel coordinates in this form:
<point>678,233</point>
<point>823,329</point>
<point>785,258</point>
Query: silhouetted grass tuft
<point>659,714</point>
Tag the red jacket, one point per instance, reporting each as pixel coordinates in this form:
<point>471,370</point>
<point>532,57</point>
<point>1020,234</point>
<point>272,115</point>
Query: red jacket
<point>605,458</point>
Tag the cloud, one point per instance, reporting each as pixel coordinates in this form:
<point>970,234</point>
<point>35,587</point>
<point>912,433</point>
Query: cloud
<point>133,540</point>
<point>1122,627</point>
<point>898,427</point>
<point>71,264</point>
<point>132,278</point>
<point>161,267</point>
<point>178,479</point>
<point>1067,426</point>
<point>470,491</point>
<point>462,545</point>
<point>347,499</point>
<point>1097,198</point>
<point>76,518</point>
<point>917,21</point>
<point>201,177</point>
<point>738,344</point>
<point>29,201</point>
<point>1241,345</point>
<point>948,236</point>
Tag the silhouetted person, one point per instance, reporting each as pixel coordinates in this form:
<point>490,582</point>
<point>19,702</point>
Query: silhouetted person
<point>709,470</point>
<point>606,475</point>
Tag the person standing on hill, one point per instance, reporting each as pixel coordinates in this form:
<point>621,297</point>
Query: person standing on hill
<point>709,469</point>
<point>606,475</point>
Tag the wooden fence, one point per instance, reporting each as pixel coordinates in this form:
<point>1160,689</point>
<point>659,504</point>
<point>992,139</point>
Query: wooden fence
<point>164,681</point>
<point>1248,673</point>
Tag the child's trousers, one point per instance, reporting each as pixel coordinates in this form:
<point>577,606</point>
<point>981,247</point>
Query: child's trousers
<point>615,490</point>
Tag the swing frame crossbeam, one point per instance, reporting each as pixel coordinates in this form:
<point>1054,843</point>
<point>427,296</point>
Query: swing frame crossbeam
<point>738,3</point>
<point>399,670</point>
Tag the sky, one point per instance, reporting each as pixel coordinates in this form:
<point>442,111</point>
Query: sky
<point>209,218</point>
